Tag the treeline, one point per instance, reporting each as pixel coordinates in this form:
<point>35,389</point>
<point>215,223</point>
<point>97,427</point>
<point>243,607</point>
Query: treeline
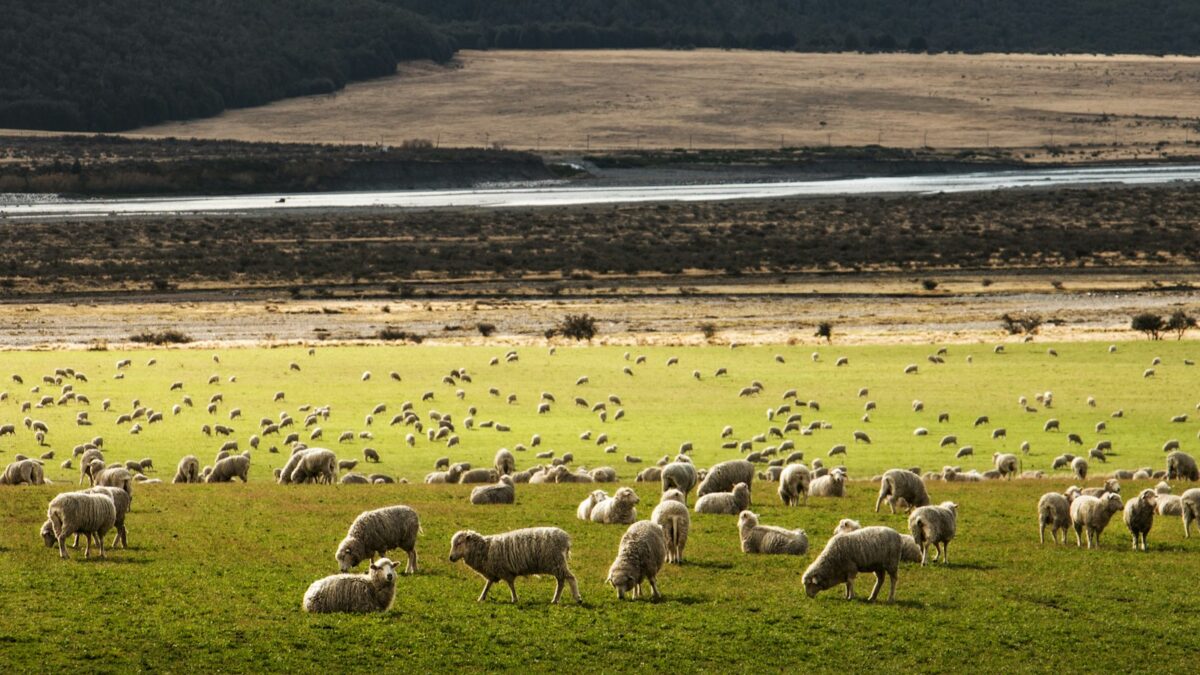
<point>1127,26</point>
<point>107,65</point>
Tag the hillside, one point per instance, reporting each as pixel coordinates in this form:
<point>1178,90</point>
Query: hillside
<point>110,65</point>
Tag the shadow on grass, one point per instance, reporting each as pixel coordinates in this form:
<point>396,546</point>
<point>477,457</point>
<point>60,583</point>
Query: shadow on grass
<point>707,564</point>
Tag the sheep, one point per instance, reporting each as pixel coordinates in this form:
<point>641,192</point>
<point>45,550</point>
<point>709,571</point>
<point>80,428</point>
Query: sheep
<point>188,470</point>
<point>620,509</point>
<point>114,476</point>
<point>1006,464</point>
<point>376,532</point>
<point>651,474</point>
<point>1110,485</point>
<point>673,516</point>
<point>1139,516</point>
<point>234,466</point>
<point>372,591</point>
<point>949,439</point>
<point>23,471</point>
<point>909,551</point>
<point>90,514</point>
<point>584,510</point>
<point>861,436</point>
<point>122,501</point>
<point>347,464</point>
<point>502,492</point>
<point>1189,503</point>
<point>1093,514</point>
<point>832,484</point>
<point>901,485</point>
<point>640,556</point>
<point>310,465</point>
<point>871,549</point>
<point>793,484</point>
<point>1080,466</point>
<point>535,550</point>
<point>1054,509</point>
<point>679,475</point>
<point>504,462</point>
<point>1050,425</point>
<point>1182,466</point>
<point>725,503</point>
<point>723,476</point>
<point>838,449</point>
<point>934,525</point>
<point>769,539</point>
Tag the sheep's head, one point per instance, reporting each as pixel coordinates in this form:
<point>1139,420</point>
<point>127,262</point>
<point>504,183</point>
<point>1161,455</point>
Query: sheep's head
<point>846,525</point>
<point>1112,501</point>
<point>1149,497</point>
<point>383,569</point>
<point>349,553</point>
<point>1112,485</point>
<point>48,535</point>
<point>462,543</point>
<point>627,495</point>
<point>1072,493</point>
<point>747,519</point>
<point>672,495</point>
<point>950,505</point>
<point>813,583</point>
<point>507,480</point>
<point>623,581</point>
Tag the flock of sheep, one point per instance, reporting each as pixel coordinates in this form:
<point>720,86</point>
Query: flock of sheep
<point>646,545</point>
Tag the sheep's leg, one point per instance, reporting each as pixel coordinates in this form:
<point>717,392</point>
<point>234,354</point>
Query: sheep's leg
<point>100,543</point>
<point>892,590</point>
<point>850,588</point>
<point>574,586</point>
<point>75,541</point>
<point>412,562</point>
<point>487,586</point>
<point>945,557</point>
<point>654,594</point>
<point>87,546</point>
<point>558,589</point>
<point>512,589</point>
<point>924,554</point>
<point>62,546</point>
<point>1078,539</point>
<point>879,501</point>
<point>1042,533</point>
<point>879,576</point>
<point>637,590</point>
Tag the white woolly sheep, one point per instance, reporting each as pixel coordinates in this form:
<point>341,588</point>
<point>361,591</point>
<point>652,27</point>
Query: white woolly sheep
<point>374,533</point>
<point>909,551</point>
<point>1093,514</point>
<point>1139,516</point>
<point>640,557</point>
<point>725,503</point>
<point>1080,466</point>
<point>22,472</point>
<point>1054,510</point>
<point>723,476</point>
<point>793,484</point>
<point>832,484</point>
<point>584,510</point>
<point>673,516</point>
<point>535,550</point>
<point>89,514</point>
<point>1182,466</point>
<point>372,591</point>
<point>479,476</point>
<point>934,526</point>
<point>871,549</point>
<point>1189,507</point>
<point>619,509</point>
<point>769,539</point>
<point>502,492</point>
<point>504,462</point>
<point>1007,464</point>
<point>679,475</point>
<point>901,484</point>
<point>234,466</point>
<point>310,465</point>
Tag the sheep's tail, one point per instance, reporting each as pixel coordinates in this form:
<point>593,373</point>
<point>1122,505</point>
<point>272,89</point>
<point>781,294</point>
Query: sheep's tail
<point>676,532</point>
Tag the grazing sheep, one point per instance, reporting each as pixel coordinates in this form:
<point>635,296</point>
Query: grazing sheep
<point>901,484</point>
<point>794,481</point>
<point>640,556</point>
<point>372,591</point>
<point>1110,485</point>
<point>502,492</point>
<point>871,549</point>
<point>114,476</point>
<point>24,471</point>
<point>603,474</point>
<point>1182,466</point>
<point>1189,503</point>
<point>1050,425</point>
<point>89,514</point>
<point>724,476</point>
<point>370,455</point>
<point>620,509</point>
<point>1093,514</point>
<point>310,465</point>
<point>1080,466</point>
<point>769,539</point>
<point>832,484</point>
<point>234,466</point>
<point>1054,509</point>
<point>673,516</point>
<point>374,533</point>
<point>535,550</point>
<point>1007,464</point>
<point>679,475</point>
<point>1139,516</point>
<point>965,451</point>
<point>188,470</point>
<point>934,525</point>
<point>504,462</point>
<point>950,439</point>
<point>584,510</point>
<point>122,502</point>
<point>725,503</point>
<point>909,551</point>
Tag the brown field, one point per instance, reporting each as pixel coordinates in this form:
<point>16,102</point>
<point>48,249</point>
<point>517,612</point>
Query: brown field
<point>1108,107</point>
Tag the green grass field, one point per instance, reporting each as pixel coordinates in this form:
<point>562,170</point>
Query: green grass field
<point>215,573</point>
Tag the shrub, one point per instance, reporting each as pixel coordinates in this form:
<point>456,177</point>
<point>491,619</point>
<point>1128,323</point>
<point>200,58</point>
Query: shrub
<point>825,330</point>
<point>577,327</point>
<point>1179,323</point>
<point>708,330</point>
<point>166,337</point>
<point>1150,324</point>
<point>929,284</point>
<point>1015,325</point>
<point>485,329</point>
<point>396,335</point>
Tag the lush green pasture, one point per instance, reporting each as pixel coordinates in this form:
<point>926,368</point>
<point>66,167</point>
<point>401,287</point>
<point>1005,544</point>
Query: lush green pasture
<point>215,574</point>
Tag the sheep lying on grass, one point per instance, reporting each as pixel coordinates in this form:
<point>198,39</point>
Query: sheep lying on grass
<point>620,509</point>
<point>769,539</point>
<point>376,532</point>
<point>640,556</point>
<point>934,526</point>
<point>726,503</point>
<point>673,516</point>
<point>372,591</point>
<point>500,493</point>
<point>871,549</point>
<point>534,550</point>
<point>89,514</point>
<point>723,476</point>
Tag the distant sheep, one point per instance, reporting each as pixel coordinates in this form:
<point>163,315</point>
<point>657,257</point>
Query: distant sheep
<point>536,550</point>
<point>832,484</point>
<point>1182,466</point>
<point>372,591</point>
<point>793,484</point>
<point>311,465</point>
<point>234,466</point>
<point>724,476</point>
<point>504,462</point>
<point>679,476</point>
<point>1007,464</point>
